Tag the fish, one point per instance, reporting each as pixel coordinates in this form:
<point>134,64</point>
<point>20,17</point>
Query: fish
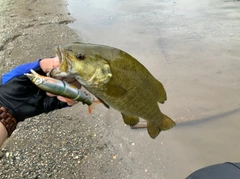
<point>59,87</point>
<point>118,80</point>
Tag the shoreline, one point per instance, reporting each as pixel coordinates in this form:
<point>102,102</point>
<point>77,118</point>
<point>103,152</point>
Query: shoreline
<point>32,29</point>
<point>60,144</point>
<point>200,77</point>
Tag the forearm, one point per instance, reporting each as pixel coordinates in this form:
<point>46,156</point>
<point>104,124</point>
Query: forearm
<point>3,134</point>
<point>22,99</point>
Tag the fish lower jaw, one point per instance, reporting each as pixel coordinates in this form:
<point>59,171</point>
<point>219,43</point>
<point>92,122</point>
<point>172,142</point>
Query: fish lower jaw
<point>83,82</point>
<point>56,73</point>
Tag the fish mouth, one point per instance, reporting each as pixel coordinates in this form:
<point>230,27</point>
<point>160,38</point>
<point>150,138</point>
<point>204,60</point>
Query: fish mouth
<point>64,68</point>
<point>59,52</point>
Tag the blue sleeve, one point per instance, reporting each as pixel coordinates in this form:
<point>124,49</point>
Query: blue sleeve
<point>20,70</point>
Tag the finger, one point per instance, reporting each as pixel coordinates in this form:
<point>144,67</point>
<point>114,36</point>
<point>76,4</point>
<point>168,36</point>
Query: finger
<point>50,94</point>
<point>70,102</point>
<point>55,62</point>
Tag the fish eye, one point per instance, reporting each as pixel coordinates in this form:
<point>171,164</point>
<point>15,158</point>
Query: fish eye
<point>80,56</point>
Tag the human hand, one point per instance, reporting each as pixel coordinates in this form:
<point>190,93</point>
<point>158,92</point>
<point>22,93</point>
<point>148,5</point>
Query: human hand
<point>49,64</point>
<point>70,102</point>
<point>23,99</point>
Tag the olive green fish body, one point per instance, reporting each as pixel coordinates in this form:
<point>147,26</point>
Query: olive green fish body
<point>132,89</point>
<point>117,79</point>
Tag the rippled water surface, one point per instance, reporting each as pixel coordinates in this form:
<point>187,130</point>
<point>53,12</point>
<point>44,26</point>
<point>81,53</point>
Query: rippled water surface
<point>192,47</point>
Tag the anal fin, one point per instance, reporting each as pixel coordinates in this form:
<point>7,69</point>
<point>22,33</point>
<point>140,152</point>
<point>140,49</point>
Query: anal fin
<point>130,120</point>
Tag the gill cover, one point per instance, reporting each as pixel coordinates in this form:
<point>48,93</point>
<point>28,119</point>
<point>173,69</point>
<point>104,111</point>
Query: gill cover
<point>88,67</point>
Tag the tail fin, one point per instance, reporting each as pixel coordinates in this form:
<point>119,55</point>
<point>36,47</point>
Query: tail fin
<point>155,128</point>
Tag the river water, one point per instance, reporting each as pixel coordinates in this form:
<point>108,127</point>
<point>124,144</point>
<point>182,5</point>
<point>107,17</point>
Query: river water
<point>192,47</point>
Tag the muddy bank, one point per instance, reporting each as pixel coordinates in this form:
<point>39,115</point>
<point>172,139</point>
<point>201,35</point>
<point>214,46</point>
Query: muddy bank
<point>61,144</point>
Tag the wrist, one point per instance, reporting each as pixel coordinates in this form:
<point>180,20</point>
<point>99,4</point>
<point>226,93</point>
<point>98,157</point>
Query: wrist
<point>3,134</point>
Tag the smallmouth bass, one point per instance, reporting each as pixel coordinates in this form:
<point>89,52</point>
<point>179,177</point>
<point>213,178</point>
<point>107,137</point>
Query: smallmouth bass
<point>118,80</point>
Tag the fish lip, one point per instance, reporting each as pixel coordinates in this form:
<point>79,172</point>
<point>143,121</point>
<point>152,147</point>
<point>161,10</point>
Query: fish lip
<point>59,53</point>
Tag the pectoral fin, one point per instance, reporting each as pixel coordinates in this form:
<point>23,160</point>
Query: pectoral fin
<point>162,95</point>
<point>130,120</point>
<point>91,107</point>
<point>115,90</point>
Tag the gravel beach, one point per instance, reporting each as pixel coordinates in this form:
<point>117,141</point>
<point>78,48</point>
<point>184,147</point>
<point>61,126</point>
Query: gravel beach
<point>192,47</point>
<point>64,143</point>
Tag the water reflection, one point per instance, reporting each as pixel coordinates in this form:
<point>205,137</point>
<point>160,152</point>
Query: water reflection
<point>192,47</point>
